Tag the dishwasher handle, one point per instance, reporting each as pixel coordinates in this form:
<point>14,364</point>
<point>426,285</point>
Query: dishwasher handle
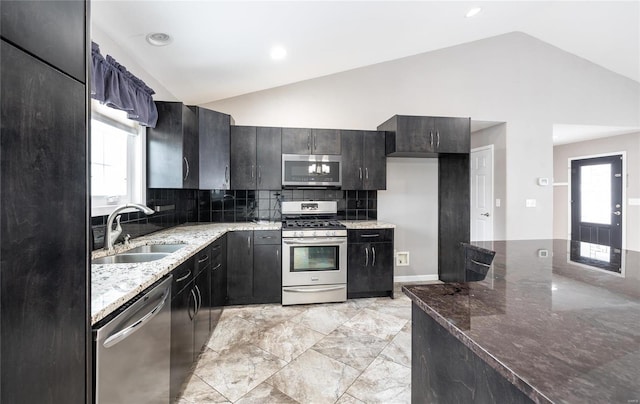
<point>121,335</point>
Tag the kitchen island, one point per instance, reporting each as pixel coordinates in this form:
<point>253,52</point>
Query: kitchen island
<point>552,322</point>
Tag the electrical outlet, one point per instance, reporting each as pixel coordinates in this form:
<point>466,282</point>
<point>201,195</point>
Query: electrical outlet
<point>402,258</point>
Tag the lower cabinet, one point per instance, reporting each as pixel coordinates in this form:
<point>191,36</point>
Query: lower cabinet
<point>218,279</point>
<point>254,267</point>
<point>182,309</point>
<point>370,263</point>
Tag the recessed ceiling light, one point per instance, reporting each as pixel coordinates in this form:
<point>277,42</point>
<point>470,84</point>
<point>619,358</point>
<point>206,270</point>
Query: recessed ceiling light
<point>473,12</point>
<point>158,39</point>
<point>278,52</point>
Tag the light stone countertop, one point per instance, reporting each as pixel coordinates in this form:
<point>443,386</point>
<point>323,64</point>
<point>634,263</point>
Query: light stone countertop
<point>112,285</point>
<point>367,224</point>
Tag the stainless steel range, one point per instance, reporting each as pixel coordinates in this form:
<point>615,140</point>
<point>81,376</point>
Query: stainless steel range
<point>314,253</point>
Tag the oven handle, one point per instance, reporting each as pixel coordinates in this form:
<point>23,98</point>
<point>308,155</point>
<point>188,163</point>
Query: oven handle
<point>327,289</point>
<point>320,240</point>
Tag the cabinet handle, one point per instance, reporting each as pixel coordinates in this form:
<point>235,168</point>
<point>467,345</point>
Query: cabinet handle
<point>184,277</point>
<point>370,235</point>
<point>194,306</point>
<point>226,174</point>
<point>217,247</point>
<point>438,137</point>
<point>253,171</point>
<point>366,256</point>
<point>366,173</point>
<point>431,138</point>
<point>217,266</point>
<point>259,175</point>
<point>309,142</point>
<point>277,253</point>
<point>249,245</point>
<point>360,172</point>
<point>373,251</point>
<point>315,138</point>
<point>186,162</point>
<point>199,300</point>
<point>200,261</point>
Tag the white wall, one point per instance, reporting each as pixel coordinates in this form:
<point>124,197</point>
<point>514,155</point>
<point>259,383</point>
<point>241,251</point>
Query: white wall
<point>511,78</point>
<point>408,203</point>
<point>630,144</point>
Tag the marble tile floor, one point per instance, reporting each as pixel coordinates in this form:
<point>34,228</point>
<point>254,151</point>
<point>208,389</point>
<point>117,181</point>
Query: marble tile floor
<point>353,352</point>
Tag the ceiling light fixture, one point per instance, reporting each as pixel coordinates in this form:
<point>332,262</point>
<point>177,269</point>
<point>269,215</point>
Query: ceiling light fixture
<point>473,12</point>
<point>278,52</point>
<point>158,39</point>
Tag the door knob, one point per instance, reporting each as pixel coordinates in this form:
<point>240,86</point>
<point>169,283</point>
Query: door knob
<point>617,213</point>
<point>484,214</point>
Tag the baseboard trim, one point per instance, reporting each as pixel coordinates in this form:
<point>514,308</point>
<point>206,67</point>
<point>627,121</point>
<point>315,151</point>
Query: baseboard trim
<point>415,278</point>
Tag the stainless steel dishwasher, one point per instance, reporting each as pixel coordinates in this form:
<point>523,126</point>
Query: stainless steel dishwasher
<point>133,350</point>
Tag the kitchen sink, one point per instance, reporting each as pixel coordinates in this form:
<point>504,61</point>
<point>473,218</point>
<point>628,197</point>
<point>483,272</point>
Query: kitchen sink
<point>155,248</point>
<point>130,258</point>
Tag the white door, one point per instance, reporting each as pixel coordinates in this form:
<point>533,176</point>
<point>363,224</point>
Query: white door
<point>482,193</point>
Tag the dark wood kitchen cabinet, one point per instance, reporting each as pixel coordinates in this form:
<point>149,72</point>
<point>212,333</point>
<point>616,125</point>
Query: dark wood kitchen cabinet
<point>215,148</point>
<point>370,263</point>
<point>310,141</point>
<point>254,267</point>
<point>267,266</point>
<point>256,158</point>
<point>172,148</point>
<point>240,267</point>
<point>190,320</point>
<point>218,279</point>
<point>45,334</point>
<point>364,164</point>
<point>426,136</point>
<point>53,31</point>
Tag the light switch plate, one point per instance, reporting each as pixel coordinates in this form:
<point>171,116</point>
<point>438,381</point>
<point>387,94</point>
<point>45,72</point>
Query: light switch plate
<point>498,203</point>
<point>634,201</point>
<point>530,203</point>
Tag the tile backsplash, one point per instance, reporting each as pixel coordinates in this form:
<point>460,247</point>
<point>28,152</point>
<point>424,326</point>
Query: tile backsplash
<point>177,206</point>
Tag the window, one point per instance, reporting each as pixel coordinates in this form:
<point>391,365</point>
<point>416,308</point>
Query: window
<point>117,160</point>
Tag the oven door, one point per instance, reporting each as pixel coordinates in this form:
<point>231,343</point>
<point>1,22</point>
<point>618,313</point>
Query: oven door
<point>314,261</point>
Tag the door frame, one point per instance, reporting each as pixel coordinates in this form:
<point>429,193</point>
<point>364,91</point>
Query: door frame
<point>625,175</point>
<point>491,148</point>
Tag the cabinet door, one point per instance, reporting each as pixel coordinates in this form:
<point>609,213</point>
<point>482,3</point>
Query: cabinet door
<point>44,308</point>
<point>415,134</point>
<point>190,148</point>
<point>53,31</point>
<point>213,134</point>
<point>243,157</point>
<point>352,159</point>
<point>182,354</point>
<point>267,273</point>
<point>269,158</point>
<point>166,166</point>
<point>218,279</point>
<point>296,141</point>
<point>375,162</point>
<point>358,268</point>
<point>240,267</point>
<point>381,267</point>
<point>452,135</point>
<point>325,141</point>
<point>201,326</point>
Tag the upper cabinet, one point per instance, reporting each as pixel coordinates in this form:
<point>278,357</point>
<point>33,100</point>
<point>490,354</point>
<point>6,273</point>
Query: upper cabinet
<point>423,136</point>
<point>214,140</point>
<point>310,141</point>
<point>256,158</point>
<point>172,148</point>
<point>364,165</point>
<point>53,31</point>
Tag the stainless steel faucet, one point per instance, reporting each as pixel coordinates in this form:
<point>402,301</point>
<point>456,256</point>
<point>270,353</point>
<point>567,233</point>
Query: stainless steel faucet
<point>111,235</point>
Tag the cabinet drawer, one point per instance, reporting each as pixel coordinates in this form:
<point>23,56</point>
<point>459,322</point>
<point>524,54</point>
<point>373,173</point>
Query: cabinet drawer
<point>182,276</point>
<point>267,237</point>
<point>370,236</point>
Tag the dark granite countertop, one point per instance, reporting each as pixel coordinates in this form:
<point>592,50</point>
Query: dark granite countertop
<point>557,328</point>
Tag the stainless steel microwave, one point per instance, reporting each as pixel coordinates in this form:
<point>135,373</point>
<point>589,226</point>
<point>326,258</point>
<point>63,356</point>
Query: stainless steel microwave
<point>304,170</point>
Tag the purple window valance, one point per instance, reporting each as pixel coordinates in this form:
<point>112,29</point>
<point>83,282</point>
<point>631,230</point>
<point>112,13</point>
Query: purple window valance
<point>113,85</point>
